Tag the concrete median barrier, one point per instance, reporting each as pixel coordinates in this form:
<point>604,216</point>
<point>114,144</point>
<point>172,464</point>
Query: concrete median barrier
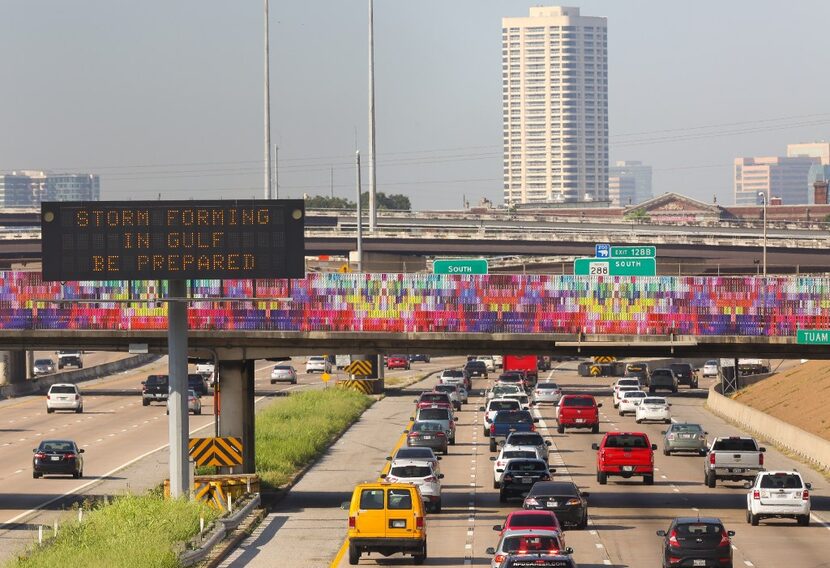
<point>809,447</point>
<point>41,384</point>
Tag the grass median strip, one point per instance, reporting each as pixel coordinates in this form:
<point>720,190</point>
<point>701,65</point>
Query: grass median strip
<point>131,531</point>
<point>293,432</point>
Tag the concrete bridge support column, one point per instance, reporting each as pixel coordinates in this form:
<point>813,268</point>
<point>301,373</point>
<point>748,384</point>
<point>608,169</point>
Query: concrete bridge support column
<point>12,367</point>
<point>236,408</point>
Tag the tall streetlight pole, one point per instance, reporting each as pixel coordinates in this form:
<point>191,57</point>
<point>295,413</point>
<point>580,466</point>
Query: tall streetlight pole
<point>372,179</point>
<point>359,216</point>
<point>763,197</point>
<point>268,187</point>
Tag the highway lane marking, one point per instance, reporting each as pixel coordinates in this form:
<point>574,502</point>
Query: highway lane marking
<point>748,563</point>
<point>19,471</point>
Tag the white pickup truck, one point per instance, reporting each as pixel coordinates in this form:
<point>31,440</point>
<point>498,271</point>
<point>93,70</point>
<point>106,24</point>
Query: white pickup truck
<point>733,458</point>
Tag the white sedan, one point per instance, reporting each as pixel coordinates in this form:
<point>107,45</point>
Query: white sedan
<point>630,400</point>
<point>508,453</point>
<point>653,408</point>
<point>619,390</point>
<point>710,368</point>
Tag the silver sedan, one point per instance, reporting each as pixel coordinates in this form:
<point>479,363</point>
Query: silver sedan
<point>684,437</point>
<point>285,373</point>
<point>547,392</point>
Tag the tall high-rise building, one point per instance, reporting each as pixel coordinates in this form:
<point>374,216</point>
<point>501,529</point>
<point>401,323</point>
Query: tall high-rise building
<point>773,176</point>
<point>29,188</point>
<point>640,173</point>
<point>622,190</point>
<point>555,107</point>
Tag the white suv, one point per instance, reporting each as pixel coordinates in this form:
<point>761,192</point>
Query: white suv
<point>317,364</point>
<point>64,396</point>
<point>777,494</point>
<point>420,473</point>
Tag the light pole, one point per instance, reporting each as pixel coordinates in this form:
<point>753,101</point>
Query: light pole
<point>763,197</point>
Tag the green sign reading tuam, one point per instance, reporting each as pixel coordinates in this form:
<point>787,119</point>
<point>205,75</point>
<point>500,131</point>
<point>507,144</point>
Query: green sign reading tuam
<point>460,266</point>
<point>634,252</point>
<point>813,337</point>
<point>615,267</point>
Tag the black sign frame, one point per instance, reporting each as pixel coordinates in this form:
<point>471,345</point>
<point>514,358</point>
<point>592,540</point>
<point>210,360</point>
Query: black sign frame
<point>173,240</point>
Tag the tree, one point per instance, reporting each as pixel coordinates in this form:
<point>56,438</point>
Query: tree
<point>326,202</point>
<point>395,202</point>
<point>638,215</point>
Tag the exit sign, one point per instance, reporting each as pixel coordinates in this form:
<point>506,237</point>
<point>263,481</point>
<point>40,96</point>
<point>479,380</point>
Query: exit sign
<point>813,337</point>
<point>634,252</point>
<point>615,267</point>
<point>460,266</point>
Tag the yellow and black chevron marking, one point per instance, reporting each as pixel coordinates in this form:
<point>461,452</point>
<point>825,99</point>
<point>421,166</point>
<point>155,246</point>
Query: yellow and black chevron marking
<point>216,451</point>
<point>359,368</point>
<point>362,385</point>
<point>211,493</point>
<point>596,370</point>
<point>604,359</point>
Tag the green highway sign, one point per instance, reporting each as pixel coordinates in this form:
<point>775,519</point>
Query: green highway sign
<point>615,267</point>
<point>634,252</point>
<point>813,337</point>
<point>460,266</point>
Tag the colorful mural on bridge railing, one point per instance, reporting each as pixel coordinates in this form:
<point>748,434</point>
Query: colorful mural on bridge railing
<point>436,303</point>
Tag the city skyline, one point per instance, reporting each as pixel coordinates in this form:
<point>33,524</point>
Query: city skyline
<point>166,99</point>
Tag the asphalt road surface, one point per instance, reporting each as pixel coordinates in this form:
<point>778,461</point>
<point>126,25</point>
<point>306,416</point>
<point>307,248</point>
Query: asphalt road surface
<point>308,529</point>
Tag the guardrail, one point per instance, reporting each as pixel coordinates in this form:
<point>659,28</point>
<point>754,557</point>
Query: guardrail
<point>223,527</point>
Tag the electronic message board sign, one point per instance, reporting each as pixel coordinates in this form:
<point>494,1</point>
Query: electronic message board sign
<point>173,240</point>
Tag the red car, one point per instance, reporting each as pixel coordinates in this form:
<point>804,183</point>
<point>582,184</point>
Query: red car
<point>625,454</point>
<point>434,400</point>
<point>397,362</point>
<point>530,519</point>
<point>577,411</point>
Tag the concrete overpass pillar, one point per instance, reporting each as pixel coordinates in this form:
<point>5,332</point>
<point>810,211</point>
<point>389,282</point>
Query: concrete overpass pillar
<point>12,367</point>
<point>236,408</point>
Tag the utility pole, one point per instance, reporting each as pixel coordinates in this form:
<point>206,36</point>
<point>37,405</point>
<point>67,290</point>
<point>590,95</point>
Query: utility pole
<point>359,217</point>
<point>372,170</point>
<point>331,182</point>
<point>276,172</point>
<point>267,112</point>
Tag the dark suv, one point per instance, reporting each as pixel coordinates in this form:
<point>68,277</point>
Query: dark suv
<point>663,379</point>
<point>475,369</point>
<point>685,374</point>
<point>520,475</point>
<point>156,387</point>
<point>198,383</point>
<point>693,541</point>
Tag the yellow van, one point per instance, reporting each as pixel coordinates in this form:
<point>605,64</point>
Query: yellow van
<point>386,518</point>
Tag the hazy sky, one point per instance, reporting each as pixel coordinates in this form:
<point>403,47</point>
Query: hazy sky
<point>165,97</point>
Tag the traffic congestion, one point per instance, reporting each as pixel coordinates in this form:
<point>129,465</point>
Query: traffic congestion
<point>578,473</point>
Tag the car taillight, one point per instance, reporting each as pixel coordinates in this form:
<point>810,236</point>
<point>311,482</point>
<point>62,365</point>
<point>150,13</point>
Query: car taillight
<point>531,502</point>
<point>673,539</point>
<point>414,434</point>
<point>40,455</point>
<point>712,458</point>
<point>48,397</point>
<point>431,479</point>
<point>756,494</point>
<point>69,456</point>
<point>533,427</point>
<point>806,495</point>
<point>492,428</point>
<point>724,538</point>
<point>500,463</point>
<point>573,502</point>
<point>352,522</point>
<point>760,459</point>
<point>507,477</point>
<point>545,477</point>
<point>419,522</point>
<point>499,558</point>
<point>440,434</point>
<point>77,396</point>
<point>670,437</point>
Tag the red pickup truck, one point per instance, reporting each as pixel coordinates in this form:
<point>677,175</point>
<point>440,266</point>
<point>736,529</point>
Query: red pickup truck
<point>625,454</point>
<point>577,411</point>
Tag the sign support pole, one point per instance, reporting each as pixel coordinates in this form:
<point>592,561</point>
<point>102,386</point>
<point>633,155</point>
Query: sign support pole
<point>178,424</point>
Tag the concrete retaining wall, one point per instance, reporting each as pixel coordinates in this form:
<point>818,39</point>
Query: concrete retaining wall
<point>41,384</point>
<point>809,447</point>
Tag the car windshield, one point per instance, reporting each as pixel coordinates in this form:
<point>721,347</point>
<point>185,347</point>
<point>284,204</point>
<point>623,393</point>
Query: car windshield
<point>453,374</point>
<point>506,389</point>
<point>522,398</point>
<point>427,427</point>
<point>528,439</point>
<point>699,529</point>
<point>513,417</point>
<point>634,394</point>
<point>63,389</point>
<point>579,401</point>
<point>504,405</point>
<point>781,481</point>
<point>547,386</point>
<point>43,362</point>
<point>57,446</point>
<point>509,454</point>
<point>510,379</point>
<point>626,441</point>
<point>686,428</point>
<point>282,368</point>
<point>735,445</point>
<point>434,397</point>
<point>475,364</point>
<point>157,380</point>
<point>528,466</point>
<point>411,471</point>
<point>446,388</point>
<point>659,401</point>
<point>531,543</point>
<point>413,453</point>
<point>661,373</point>
<point>712,362</point>
<point>434,414</point>
<point>559,489</point>
<point>315,359</point>
<point>628,383</point>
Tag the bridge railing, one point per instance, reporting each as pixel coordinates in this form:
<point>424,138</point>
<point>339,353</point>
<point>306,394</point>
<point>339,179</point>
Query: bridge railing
<point>746,306</point>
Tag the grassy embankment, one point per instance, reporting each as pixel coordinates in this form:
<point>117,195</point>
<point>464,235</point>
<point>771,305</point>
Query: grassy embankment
<point>140,531</point>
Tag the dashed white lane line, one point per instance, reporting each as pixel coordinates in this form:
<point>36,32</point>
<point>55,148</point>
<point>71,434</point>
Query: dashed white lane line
<point>748,563</point>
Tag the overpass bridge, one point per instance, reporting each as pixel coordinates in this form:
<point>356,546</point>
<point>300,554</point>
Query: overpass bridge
<point>437,314</point>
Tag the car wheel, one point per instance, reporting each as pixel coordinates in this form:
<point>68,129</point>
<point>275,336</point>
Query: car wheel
<point>711,480</point>
<point>666,452</point>
<point>354,554</point>
<point>273,382</point>
<point>674,389</point>
<point>446,451</point>
<point>492,445</point>
<point>486,432</point>
<point>668,420</point>
<point>437,506</point>
<point>560,429</point>
<point>693,386</point>
<point>602,477</point>
<point>747,516</point>
<point>197,412</point>
<point>753,519</point>
<point>36,475</point>
<point>502,497</point>
<point>638,421</point>
<point>702,452</point>
<point>622,413</point>
<point>804,520</point>
<point>75,475</point>
<point>419,559</point>
<point>495,485</point>
<point>145,402</point>
<point>49,410</point>
<point>595,429</point>
<point>648,479</point>
<point>294,382</point>
<point>80,410</point>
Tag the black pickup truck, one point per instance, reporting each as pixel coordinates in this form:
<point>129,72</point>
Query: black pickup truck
<point>156,387</point>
